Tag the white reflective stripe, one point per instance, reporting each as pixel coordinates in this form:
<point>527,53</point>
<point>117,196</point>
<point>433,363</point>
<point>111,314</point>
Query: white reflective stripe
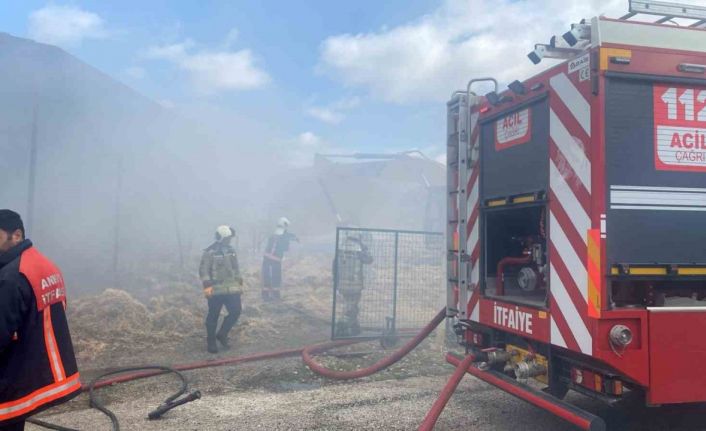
<point>474,119</point>
<point>37,399</point>
<point>475,313</point>
<point>556,338</point>
<point>655,208</point>
<point>472,199</point>
<point>573,99</point>
<point>570,313</point>
<point>659,189</point>
<point>475,271</point>
<point>696,309</point>
<point>572,150</point>
<point>571,205</point>
<point>662,198</point>
<point>52,350</point>
<point>568,255</point>
<point>473,238</point>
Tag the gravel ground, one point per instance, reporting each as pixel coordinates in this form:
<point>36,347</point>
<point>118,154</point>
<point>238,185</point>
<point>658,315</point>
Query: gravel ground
<point>291,401</point>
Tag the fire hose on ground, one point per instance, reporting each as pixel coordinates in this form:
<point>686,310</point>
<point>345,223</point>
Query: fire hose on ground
<point>438,407</point>
<point>307,354</point>
<point>167,405</point>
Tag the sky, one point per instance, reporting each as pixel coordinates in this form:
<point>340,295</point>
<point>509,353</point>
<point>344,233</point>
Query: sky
<point>306,76</point>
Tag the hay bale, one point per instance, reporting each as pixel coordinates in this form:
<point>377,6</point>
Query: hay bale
<point>108,314</point>
<point>177,323</point>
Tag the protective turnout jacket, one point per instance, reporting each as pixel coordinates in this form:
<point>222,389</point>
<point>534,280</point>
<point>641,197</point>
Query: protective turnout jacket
<point>37,363</point>
<point>348,269</point>
<point>219,269</point>
<point>277,245</point>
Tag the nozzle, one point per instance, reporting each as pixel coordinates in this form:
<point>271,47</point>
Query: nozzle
<point>161,410</point>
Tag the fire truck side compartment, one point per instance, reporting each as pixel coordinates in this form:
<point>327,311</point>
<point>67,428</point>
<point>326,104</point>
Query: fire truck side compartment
<point>521,168</point>
<point>516,170</point>
<point>645,236</point>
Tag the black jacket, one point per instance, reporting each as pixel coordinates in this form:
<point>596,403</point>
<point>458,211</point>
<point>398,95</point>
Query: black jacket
<point>277,245</point>
<point>37,363</point>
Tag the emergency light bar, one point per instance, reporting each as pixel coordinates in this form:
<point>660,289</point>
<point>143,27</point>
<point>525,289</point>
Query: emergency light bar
<point>562,48</point>
<point>552,51</point>
<point>517,87</point>
<point>581,31</point>
<point>493,98</point>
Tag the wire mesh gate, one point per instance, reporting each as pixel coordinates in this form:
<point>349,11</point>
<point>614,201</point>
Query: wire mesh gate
<point>386,281</point>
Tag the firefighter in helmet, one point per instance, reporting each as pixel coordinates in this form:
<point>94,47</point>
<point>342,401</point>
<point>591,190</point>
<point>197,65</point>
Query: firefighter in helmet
<point>277,245</point>
<point>348,272</point>
<point>222,286</point>
<point>37,363</point>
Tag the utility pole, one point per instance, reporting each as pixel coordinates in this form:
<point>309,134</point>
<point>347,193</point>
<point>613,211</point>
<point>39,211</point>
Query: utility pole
<point>116,232</point>
<point>32,171</point>
<point>175,215</point>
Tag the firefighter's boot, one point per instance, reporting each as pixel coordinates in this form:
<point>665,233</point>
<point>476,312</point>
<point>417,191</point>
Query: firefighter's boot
<point>222,335</point>
<point>223,339</point>
<point>266,295</point>
<point>342,329</point>
<point>211,345</point>
<point>355,328</point>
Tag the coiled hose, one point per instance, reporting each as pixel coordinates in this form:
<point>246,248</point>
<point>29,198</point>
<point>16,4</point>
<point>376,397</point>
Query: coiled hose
<point>97,383</point>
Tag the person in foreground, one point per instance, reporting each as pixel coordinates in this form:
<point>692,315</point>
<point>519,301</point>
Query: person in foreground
<point>37,363</point>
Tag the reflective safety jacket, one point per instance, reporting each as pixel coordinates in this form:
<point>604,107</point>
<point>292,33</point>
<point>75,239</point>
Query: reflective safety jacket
<point>220,270</point>
<point>37,363</point>
<point>349,271</point>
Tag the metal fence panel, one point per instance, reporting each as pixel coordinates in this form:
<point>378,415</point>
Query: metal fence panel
<point>386,281</point>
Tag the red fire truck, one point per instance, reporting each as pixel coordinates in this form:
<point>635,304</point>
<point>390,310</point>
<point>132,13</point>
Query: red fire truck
<point>577,216</point>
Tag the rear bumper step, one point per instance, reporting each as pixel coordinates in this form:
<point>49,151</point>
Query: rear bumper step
<point>560,408</point>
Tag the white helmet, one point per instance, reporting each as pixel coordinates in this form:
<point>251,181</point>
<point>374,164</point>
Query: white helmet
<point>283,222</point>
<point>224,231</point>
<point>352,243</point>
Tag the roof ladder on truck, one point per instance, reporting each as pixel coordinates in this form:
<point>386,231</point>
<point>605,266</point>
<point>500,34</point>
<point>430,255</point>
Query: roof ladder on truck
<point>462,155</point>
<point>454,141</point>
<point>667,11</point>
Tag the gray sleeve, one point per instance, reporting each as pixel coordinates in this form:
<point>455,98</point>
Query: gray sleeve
<point>205,266</point>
